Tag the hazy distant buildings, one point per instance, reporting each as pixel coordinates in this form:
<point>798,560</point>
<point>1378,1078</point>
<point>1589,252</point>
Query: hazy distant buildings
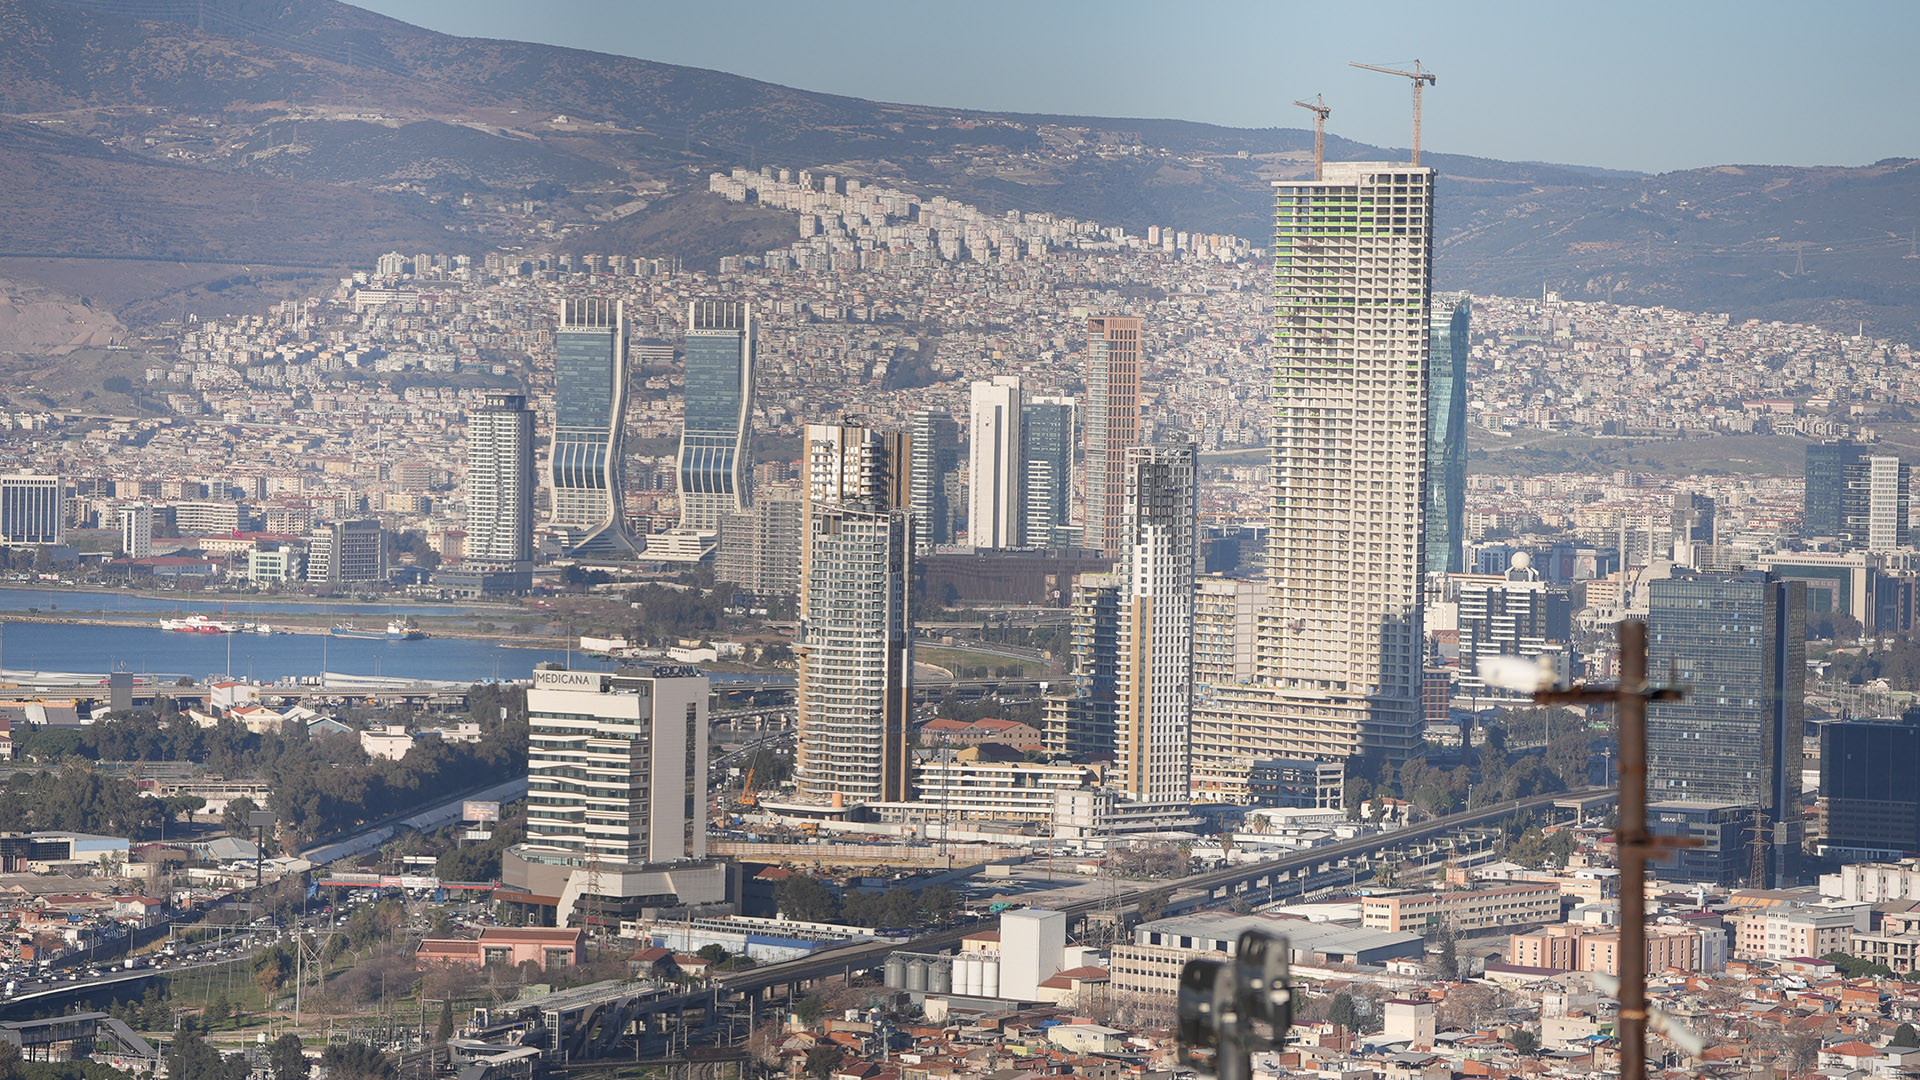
<point>500,484</point>
<point>1447,433</point>
<point>935,442</point>
<point>996,477</point>
<point>1113,426</point>
<point>590,400</point>
<point>136,531</point>
<point>856,635</point>
<point>33,510</point>
<point>1047,436</point>
<point>1737,643</point>
<point>714,455</point>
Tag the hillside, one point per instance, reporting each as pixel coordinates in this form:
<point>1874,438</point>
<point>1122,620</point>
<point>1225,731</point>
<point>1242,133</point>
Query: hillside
<point>251,131</point>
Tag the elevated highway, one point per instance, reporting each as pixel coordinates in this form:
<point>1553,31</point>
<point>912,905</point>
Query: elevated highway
<point>1280,876</point>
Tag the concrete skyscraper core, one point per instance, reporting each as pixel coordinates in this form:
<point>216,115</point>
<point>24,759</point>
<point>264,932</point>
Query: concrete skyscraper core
<point>589,416</point>
<point>1353,274</point>
<point>714,460</point>
<point>1338,667</point>
<point>1113,425</point>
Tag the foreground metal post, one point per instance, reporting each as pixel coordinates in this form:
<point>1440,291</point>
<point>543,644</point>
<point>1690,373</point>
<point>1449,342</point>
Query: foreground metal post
<point>1629,699</point>
<point>1631,718</point>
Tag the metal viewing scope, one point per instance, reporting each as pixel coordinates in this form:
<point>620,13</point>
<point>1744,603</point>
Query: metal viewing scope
<point>1229,1010</point>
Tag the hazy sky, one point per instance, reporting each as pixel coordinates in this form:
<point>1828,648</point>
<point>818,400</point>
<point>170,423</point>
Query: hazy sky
<point>1629,84</point>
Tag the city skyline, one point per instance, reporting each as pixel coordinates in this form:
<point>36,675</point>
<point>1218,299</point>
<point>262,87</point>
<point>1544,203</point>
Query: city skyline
<point>916,594</point>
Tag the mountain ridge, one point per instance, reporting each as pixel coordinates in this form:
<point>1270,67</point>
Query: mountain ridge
<point>326,105</point>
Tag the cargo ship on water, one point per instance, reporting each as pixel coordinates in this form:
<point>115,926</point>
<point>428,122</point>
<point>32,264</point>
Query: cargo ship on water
<point>396,631</point>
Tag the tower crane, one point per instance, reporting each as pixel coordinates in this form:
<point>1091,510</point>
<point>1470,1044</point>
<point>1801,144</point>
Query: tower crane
<point>1318,107</point>
<point>1420,78</point>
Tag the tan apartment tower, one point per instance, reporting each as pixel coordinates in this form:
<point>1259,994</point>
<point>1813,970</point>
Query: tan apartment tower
<point>1113,425</point>
<point>856,636</point>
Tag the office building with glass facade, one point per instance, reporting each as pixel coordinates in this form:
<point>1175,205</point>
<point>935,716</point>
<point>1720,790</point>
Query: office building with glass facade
<point>1737,644</point>
<point>1047,434</point>
<point>589,417</point>
<point>1447,432</point>
<point>715,465</point>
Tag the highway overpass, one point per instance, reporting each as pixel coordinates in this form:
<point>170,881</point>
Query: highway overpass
<point>1274,876</point>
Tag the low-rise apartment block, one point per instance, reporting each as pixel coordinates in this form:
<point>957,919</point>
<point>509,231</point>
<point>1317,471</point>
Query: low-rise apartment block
<point>1465,910</point>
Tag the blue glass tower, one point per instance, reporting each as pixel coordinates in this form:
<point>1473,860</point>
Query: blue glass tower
<point>589,411</point>
<point>1047,436</point>
<point>1738,644</point>
<point>1447,433</point>
<point>715,466</point>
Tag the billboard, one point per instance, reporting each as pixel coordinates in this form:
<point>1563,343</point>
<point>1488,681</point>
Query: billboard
<point>476,810</point>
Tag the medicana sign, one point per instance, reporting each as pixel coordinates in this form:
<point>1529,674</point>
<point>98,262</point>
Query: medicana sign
<point>568,680</point>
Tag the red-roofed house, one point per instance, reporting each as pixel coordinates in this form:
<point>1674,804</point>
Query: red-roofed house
<point>1849,1055</point>
<point>1066,987</point>
<point>511,946</point>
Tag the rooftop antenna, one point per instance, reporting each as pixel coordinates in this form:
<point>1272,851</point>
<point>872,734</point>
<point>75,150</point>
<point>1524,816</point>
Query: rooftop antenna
<point>1320,112</point>
<point>1421,78</point>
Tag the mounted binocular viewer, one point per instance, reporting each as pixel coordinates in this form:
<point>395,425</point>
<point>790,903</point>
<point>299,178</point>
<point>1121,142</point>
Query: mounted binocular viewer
<point>1232,1009</point>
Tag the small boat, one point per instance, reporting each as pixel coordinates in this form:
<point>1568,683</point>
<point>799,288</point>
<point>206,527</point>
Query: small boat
<point>198,624</point>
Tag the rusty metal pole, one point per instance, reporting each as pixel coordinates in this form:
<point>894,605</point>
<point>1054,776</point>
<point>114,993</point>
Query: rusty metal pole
<point>1632,841</point>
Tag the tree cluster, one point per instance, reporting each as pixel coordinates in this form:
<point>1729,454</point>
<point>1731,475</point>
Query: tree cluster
<point>665,614</point>
<point>1500,776</point>
<point>1535,850</point>
<point>78,800</point>
<point>1899,664</point>
<point>806,899</point>
<point>321,786</point>
<point>193,1058</point>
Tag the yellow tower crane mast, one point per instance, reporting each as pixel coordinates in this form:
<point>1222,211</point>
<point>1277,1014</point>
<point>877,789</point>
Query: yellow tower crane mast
<point>1421,78</point>
<point>1318,107</point>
